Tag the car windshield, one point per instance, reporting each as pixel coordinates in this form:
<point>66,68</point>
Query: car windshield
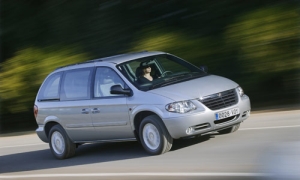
<point>157,71</point>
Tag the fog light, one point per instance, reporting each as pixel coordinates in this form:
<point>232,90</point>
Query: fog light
<point>189,130</point>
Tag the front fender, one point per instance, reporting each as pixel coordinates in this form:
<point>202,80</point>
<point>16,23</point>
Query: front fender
<point>156,109</point>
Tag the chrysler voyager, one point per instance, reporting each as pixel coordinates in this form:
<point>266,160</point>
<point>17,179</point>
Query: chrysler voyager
<point>110,100</point>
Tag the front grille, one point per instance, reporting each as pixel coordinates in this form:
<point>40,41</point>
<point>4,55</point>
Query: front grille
<point>220,100</point>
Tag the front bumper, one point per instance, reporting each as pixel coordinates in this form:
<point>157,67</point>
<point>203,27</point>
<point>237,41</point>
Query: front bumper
<point>205,121</point>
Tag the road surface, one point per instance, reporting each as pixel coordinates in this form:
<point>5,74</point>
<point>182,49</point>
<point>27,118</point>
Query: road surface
<point>266,145</point>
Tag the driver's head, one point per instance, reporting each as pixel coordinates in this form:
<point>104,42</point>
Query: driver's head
<point>145,66</point>
<point>147,69</point>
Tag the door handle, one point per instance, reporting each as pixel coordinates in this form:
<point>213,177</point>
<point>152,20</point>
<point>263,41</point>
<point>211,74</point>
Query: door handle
<point>85,111</point>
<point>95,110</point>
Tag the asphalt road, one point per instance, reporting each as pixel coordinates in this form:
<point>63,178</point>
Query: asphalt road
<point>265,147</point>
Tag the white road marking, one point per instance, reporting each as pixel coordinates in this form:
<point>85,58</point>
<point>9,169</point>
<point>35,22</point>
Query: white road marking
<point>275,127</point>
<point>22,145</point>
<point>170,174</point>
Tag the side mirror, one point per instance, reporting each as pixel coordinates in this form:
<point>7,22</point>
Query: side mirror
<point>204,68</point>
<point>117,89</point>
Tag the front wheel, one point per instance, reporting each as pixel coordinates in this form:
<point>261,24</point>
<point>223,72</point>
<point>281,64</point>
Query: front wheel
<point>154,136</point>
<point>229,130</point>
<point>60,144</point>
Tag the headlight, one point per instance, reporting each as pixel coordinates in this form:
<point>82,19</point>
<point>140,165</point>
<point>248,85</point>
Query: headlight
<point>180,107</point>
<point>240,91</point>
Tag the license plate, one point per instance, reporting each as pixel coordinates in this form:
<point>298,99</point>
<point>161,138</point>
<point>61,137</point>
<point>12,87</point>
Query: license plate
<point>228,113</point>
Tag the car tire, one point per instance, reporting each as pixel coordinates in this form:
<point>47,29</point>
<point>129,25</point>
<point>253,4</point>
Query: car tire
<point>229,130</point>
<point>60,144</point>
<point>154,136</point>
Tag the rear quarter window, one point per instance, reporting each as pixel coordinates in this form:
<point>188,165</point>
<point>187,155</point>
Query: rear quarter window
<point>50,89</point>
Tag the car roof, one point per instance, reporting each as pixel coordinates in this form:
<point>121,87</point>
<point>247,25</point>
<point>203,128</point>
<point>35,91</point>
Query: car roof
<point>121,58</point>
<point>116,59</point>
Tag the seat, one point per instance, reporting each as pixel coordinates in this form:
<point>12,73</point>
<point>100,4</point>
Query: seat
<point>107,78</point>
<point>105,86</point>
<point>138,72</point>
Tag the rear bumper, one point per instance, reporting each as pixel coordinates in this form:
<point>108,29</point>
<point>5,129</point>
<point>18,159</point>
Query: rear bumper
<point>41,133</point>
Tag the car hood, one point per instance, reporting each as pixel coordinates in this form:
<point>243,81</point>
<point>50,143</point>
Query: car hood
<point>195,88</point>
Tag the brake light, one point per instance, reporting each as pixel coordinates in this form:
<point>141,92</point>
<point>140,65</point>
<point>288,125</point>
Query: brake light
<point>35,110</point>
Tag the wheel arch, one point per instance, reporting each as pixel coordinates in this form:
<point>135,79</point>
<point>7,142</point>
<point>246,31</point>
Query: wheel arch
<point>140,116</point>
<point>48,127</point>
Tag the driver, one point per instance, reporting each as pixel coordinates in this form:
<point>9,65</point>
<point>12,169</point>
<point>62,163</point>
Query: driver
<point>145,76</point>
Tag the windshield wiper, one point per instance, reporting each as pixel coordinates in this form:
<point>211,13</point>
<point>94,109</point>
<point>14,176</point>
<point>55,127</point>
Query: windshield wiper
<point>177,78</point>
<point>165,82</point>
<point>171,80</point>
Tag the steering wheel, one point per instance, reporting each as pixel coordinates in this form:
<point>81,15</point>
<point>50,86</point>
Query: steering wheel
<point>165,73</point>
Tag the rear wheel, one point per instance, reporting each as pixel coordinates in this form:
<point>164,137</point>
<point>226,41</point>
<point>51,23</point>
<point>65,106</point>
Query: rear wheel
<point>60,144</point>
<point>229,130</point>
<point>154,136</point>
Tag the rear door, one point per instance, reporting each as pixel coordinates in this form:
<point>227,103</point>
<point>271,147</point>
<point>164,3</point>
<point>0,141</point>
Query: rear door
<point>74,109</point>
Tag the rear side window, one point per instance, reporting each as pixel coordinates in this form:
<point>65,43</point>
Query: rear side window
<point>50,89</point>
<point>76,84</point>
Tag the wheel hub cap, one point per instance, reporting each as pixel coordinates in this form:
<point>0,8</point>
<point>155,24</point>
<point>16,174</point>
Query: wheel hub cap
<point>57,142</point>
<point>151,136</point>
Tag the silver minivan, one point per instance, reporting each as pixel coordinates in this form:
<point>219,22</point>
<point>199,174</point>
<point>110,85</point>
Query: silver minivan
<point>152,97</point>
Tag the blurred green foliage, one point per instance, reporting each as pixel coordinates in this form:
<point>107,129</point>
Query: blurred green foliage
<point>266,40</point>
<point>255,43</point>
<point>23,74</point>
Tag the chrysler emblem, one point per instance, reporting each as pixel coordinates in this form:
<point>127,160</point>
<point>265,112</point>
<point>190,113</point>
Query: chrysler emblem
<point>219,94</point>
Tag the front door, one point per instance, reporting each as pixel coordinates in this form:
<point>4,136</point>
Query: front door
<point>109,112</point>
